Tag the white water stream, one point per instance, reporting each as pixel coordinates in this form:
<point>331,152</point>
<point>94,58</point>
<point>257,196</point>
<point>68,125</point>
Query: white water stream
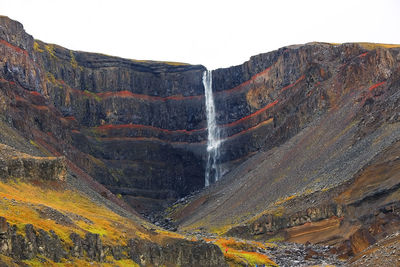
<point>213,141</point>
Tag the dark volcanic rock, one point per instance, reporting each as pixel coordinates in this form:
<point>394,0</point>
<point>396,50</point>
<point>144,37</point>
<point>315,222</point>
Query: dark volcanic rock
<point>179,253</point>
<point>20,165</point>
<point>129,124</point>
<point>305,121</point>
<point>175,252</point>
<point>34,242</point>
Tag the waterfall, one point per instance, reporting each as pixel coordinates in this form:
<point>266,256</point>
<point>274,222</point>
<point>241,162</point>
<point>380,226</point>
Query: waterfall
<point>213,140</point>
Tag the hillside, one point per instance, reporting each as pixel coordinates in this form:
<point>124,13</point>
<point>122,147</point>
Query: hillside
<point>91,145</point>
<point>321,151</point>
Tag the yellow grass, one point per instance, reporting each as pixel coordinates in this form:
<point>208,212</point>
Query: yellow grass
<point>243,253</point>
<point>7,261</point>
<point>73,61</point>
<point>50,49</point>
<point>170,234</point>
<point>113,228</point>
<point>283,200</point>
<point>220,230</point>
<point>371,46</point>
<point>79,262</point>
<point>36,47</point>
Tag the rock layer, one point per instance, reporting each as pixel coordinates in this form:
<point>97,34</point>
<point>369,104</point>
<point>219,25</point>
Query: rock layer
<point>133,125</point>
<point>14,164</point>
<point>302,121</point>
<point>36,242</point>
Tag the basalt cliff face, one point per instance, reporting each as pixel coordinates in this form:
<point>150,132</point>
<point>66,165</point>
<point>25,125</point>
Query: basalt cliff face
<point>310,135</point>
<point>313,134</point>
<point>137,127</point>
<point>74,126</point>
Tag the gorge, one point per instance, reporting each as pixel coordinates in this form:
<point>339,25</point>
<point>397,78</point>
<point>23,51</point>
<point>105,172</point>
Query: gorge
<point>295,146</point>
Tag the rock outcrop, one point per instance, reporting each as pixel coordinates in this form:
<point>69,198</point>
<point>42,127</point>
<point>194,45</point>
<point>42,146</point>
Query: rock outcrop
<point>302,126</point>
<point>36,242</point>
<point>306,120</point>
<point>14,164</point>
<point>135,126</point>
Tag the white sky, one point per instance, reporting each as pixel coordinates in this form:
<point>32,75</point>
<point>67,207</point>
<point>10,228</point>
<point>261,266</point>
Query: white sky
<point>215,33</point>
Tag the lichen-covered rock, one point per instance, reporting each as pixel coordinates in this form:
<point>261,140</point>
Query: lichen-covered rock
<point>93,247</point>
<point>33,243</point>
<point>174,252</point>
<point>60,98</point>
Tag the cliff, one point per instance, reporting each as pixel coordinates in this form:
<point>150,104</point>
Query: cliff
<point>54,105</point>
<point>14,164</point>
<point>312,125</point>
<point>137,127</point>
<point>310,150</point>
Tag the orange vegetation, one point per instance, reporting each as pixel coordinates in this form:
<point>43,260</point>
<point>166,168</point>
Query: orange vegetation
<point>270,105</point>
<point>363,54</point>
<point>140,126</point>
<point>7,81</point>
<point>70,118</point>
<point>145,97</point>
<point>375,86</point>
<point>153,139</point>
<point>268,121</point>
<point>20,99</point>
<point>35,93</point>
<point>126,94</point>
<point>293,84</point>
<point>371,46</point>
<point>40,107</point>
<point>87,216</point>
<point>108,127</point>
<point>15,48</point>
<point>242,85</point>
<point>243,253</point>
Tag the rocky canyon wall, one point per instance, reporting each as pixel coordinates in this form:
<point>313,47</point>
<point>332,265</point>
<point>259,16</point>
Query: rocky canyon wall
<point>139,127</point>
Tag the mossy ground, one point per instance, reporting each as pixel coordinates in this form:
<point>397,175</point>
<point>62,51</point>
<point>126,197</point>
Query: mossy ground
<point>243,253</point>
<point>19,202</point>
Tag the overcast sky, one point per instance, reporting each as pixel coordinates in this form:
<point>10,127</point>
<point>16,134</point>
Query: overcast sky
<point>215,33</point>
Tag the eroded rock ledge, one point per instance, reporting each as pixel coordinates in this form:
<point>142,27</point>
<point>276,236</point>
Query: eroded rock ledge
<point>34,242</point>
<point>14,164</point>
